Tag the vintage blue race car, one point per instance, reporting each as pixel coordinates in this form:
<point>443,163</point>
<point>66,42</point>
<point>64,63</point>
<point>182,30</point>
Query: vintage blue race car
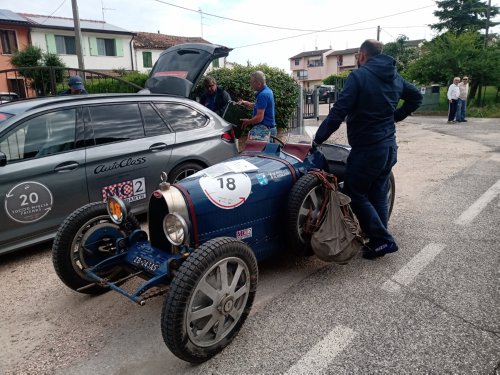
<point>206,234</point>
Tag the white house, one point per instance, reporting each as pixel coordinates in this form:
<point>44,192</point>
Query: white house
<point>105,47</point>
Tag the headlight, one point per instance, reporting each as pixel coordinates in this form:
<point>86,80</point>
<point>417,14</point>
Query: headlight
<point>175,228</point>
<point>116,210</point>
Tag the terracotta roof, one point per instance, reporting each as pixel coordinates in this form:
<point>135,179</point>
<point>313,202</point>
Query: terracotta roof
<point>161,41</point>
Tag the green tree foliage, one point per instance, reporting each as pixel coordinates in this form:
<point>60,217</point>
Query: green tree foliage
<point>459,16</point>
<point>401,52</point>
<point>236,81</point>
<point>30,62</point>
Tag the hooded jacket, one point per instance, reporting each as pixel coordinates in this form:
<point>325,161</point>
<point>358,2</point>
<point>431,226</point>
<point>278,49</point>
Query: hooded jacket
<point>369,100</point>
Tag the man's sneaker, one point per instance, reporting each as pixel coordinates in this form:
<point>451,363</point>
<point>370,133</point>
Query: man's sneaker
<point>464,120</point>
<point>380,250</point>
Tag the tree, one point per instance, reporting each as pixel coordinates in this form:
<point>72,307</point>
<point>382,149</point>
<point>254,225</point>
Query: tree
<point>401,52</point>
<point>236,81</point>
<point>450,55</point>
<point>459,16</point>
<point>32,63</point>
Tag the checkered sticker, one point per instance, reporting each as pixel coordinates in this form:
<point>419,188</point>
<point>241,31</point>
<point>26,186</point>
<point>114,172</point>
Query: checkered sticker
<point>129,191</point>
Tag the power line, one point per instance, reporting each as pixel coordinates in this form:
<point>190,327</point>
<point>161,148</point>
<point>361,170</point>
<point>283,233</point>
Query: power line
<point>309,31</point>
<point>51,14</point>
<point>351,24</point>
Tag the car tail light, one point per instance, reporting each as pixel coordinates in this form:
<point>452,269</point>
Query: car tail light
<point>228,136</point>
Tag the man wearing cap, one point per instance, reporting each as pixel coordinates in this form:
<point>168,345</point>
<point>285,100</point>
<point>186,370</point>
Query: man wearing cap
<point>462,100</point>
<point>75,84</point>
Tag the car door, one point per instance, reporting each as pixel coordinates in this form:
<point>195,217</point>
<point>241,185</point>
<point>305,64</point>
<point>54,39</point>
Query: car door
<point>121,158</point>
<point>44,178</point>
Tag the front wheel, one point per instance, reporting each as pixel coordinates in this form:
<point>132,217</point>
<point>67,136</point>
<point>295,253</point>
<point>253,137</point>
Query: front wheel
<point>209,299</point>
<point>85,238</point>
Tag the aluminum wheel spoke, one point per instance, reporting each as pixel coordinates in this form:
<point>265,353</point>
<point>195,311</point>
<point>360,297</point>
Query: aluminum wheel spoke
<point>220,328</point>
<point>240,292</point>
<point>236,313</point>
<point>201,313</point>
<point>236,278</point>
<point>207,327</point>
<point>208,290</point>
<point>223,277</point>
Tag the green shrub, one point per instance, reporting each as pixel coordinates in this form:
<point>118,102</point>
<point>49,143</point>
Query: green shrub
<point>236,81</point>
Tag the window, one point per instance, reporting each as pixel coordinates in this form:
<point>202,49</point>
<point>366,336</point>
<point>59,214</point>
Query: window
<point>340,60</point>
<point>106,47</point>
<point>147,59</point>
<point>153,123</point>
<point>297,61</point>
<point>181,117</point>
<point>65,45</point>
<point>215,63</point>
<point>48,134</point>
<point>9,41</point>
<point>315,63</point>
<point>302,74</point>
<point>116,122</point>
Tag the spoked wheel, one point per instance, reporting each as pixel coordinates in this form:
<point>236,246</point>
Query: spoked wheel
<point>304,203</point>
<point>209,299</point>
<point>85,238</point>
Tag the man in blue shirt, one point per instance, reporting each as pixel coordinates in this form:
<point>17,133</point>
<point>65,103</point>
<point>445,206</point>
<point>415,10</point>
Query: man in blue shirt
<point>263,107</point>
<point>369,100</point>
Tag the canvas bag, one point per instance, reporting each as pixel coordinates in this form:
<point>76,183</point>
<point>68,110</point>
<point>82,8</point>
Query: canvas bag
<point>338,238</point>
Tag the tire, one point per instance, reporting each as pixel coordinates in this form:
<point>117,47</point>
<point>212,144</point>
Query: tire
<point>391,194</point>
<point>183,170</point>
<point>305,199</point>
<point>182,330</point>
<point>69,255</point>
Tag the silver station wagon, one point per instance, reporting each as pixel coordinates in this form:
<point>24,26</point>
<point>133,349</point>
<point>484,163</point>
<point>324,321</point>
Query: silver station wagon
<point>60,153</point>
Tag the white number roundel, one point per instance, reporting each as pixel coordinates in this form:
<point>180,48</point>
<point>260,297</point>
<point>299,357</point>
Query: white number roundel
<point>227,191</point>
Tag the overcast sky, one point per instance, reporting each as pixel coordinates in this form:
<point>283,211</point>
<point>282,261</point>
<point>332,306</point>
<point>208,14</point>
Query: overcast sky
<point>319,24</point>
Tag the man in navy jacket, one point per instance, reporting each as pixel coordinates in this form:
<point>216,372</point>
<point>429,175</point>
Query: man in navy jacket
<point>368,102</point>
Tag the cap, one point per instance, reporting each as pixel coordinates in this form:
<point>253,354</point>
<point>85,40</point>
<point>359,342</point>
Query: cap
<point>467,78</point>
<point>75,82</point>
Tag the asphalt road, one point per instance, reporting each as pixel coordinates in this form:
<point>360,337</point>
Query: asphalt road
<point>433,307</point>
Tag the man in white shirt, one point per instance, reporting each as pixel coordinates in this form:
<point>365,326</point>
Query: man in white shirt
<point>462,100</point>
<point>453,94</point>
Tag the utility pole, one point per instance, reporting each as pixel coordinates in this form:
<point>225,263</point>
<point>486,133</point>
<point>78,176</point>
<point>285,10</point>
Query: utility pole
<point>201,21</point>
<point>487,23</point>
<point>378,33</point>
<point>78,36</point>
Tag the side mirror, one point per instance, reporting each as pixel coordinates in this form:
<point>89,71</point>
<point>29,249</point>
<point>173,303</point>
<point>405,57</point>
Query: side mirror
<point>3,159</point>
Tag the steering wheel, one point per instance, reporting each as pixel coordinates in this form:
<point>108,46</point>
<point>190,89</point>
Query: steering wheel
<point>276,139</point>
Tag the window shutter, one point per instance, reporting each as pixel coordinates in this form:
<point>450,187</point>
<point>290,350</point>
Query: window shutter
<point>50,39</point>
<point>119,47</point>
<point>93,47</point>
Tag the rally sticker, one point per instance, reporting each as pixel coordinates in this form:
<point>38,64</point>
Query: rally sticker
<point>227,191</point>
<point>28,202</point>
<point>262,179</point>
<point>244,233</point>
<point>129,191</point>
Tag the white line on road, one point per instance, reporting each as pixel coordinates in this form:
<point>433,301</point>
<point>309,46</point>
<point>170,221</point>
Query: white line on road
<point>407,274</point>
<point>317,359</point>
<point>479,205</point>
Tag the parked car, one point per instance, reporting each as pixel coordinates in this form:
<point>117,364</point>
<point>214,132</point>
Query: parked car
<point>324,93</point>
<point>59,153</point>
<point>206,234</point>
<point>6,97</point>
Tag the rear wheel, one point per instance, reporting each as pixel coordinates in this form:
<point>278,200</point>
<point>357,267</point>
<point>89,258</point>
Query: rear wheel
<point>183,170</point>
<point>209,299</point>
<point>85,238</point>
<point>304,203</point>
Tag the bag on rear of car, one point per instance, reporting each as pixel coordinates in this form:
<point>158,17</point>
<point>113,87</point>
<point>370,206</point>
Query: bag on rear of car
<point>338,237</point>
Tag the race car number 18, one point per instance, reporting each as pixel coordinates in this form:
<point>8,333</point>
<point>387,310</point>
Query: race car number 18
<point>228,191</point>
